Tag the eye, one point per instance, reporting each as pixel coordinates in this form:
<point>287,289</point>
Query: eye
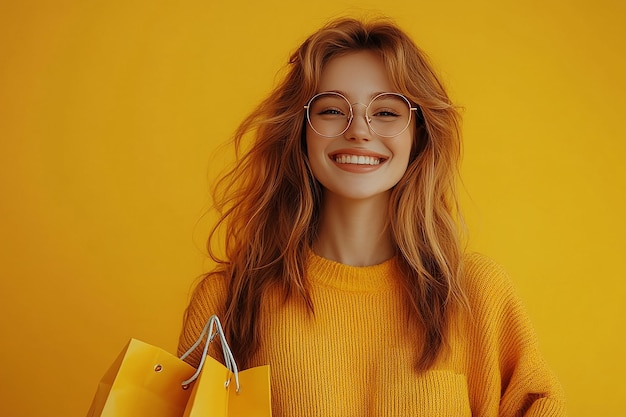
<point>331,112</point>
<point>383,113</point>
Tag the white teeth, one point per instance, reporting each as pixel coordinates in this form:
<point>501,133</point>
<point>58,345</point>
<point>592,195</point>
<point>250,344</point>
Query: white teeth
<point>357,159</point>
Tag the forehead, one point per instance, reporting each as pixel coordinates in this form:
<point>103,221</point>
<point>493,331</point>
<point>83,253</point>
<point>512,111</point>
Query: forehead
<point>359,75</point>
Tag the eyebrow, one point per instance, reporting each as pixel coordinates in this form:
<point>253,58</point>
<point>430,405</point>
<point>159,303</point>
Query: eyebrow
<point>343,93</point>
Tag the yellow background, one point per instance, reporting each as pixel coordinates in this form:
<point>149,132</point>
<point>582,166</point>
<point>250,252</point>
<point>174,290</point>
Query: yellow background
<point>111,113</point>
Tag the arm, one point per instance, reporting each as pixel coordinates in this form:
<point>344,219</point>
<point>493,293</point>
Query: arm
<point>509,346</point>
<point>207,299</point>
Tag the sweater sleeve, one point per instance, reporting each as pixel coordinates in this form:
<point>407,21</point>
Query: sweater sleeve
<point>207,299</point>
<point>527,385</point>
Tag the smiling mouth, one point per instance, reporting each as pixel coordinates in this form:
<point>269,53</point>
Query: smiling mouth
<point>356,159</point>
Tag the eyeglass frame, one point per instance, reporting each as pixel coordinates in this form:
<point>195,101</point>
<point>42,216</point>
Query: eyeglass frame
<point>351,118</point>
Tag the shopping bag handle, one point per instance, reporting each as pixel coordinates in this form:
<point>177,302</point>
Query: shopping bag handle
<point>212,329</point>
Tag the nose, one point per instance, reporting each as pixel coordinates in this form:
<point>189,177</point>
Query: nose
<point>359,129</point>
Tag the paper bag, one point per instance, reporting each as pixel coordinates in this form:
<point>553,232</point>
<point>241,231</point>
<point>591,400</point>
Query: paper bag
<point>215,392</point>
<point>143,381</point>
<point>146,381</point>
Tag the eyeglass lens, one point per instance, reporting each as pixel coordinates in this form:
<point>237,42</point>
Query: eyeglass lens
<point>330,114</point>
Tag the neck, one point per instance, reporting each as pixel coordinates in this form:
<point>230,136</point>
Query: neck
<point>354,232</point>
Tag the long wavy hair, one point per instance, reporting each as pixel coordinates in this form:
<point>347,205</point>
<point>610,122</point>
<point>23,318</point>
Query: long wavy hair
<point>269,202</point>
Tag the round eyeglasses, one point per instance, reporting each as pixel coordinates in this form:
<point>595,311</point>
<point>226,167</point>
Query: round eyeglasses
<point>388,114</point>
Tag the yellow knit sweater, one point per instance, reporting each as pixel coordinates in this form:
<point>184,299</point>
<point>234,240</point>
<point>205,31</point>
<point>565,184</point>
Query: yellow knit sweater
<point>355,356</point>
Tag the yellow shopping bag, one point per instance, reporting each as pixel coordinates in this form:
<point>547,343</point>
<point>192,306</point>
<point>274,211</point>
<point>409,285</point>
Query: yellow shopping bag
<point>146,381</point>
<point>143,381</point>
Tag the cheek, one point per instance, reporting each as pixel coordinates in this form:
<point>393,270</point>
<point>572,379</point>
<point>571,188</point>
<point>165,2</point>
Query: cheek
<point>315,144</point>
<point>403,156</point>
<point>404,148</point>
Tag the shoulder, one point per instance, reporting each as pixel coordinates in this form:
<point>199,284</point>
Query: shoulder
<point>493,301</point>
<point>213,282</point>
<point>210,292</point>
<point>479,266</point>
<point>486,282</point>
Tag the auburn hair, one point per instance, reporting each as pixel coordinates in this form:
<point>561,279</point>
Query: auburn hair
<point>269,202</point>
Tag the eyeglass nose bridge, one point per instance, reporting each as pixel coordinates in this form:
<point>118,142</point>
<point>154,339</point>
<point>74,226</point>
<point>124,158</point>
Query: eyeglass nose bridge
<point>365,115</point>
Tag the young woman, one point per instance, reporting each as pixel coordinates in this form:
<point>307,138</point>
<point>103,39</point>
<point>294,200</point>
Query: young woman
<point>344,269</point>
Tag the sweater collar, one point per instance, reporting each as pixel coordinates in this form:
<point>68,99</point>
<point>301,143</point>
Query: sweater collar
<point>351,278</point>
